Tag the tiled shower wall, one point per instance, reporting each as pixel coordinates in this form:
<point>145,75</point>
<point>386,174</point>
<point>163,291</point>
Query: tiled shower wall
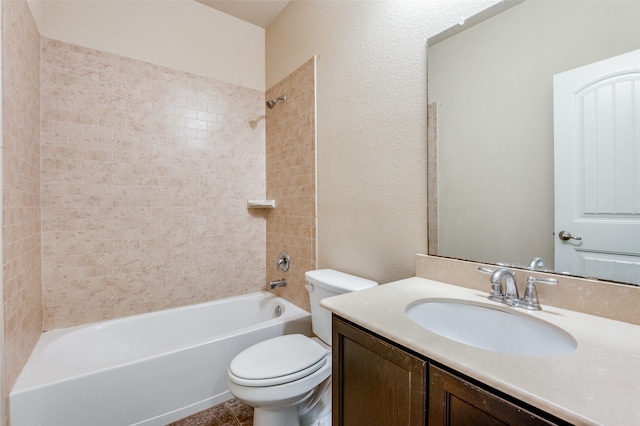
<point>22,292</point>
<point>291,181</point>
<point>145,176</point>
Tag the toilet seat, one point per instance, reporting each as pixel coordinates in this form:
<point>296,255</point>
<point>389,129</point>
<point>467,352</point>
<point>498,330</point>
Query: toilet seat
<point>276,361</point>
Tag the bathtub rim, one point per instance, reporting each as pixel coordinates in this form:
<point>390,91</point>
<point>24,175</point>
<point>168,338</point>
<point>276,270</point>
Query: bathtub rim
<point>25,384</point>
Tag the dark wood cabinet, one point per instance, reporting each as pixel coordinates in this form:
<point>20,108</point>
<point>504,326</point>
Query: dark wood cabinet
<point>454,401</point>
<point>377,382</point>
<point>374,382</point>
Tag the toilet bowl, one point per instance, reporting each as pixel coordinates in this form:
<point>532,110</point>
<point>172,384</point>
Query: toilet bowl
<point>301,365</point>
<point>287,379</point>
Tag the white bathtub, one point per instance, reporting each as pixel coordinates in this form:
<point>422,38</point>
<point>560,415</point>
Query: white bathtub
<point>148,369</point>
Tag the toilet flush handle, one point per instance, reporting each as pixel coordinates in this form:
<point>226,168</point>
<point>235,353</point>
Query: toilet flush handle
<point>309,287</point>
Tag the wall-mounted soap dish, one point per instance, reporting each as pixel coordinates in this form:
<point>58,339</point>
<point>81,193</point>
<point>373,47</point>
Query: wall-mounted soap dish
<point>261,204</point>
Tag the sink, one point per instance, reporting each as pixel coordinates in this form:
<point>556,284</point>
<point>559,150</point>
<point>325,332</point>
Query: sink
<point>486,327</point>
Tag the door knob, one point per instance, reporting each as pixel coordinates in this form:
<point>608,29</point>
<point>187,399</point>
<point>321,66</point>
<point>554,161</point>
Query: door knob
<point>566,236</point>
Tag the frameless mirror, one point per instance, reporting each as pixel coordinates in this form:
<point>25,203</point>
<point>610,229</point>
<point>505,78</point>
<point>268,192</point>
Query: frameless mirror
<point>491,128</point>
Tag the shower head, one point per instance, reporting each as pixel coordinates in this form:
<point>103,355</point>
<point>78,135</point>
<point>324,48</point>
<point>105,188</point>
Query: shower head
<point>272,102</point>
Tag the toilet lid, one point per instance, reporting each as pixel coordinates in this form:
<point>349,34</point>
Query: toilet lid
<point>278,360</point>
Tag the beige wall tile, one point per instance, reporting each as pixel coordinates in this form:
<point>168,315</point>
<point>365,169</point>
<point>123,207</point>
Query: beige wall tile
<point>22,289</point>
<point>291,161</point>
<point>146,172</point>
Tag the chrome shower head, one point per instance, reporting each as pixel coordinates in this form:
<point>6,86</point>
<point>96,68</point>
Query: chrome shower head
<point>272,102</point>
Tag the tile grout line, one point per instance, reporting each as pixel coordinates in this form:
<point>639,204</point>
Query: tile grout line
<point>233,413</point>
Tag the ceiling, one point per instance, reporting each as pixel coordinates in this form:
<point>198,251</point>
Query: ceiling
<point>257,12</point>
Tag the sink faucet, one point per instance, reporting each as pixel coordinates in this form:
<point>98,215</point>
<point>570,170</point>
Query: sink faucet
<point>510,294</point>
<point>537,263</point>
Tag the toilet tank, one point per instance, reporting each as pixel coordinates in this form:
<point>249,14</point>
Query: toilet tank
<point>324,283</point>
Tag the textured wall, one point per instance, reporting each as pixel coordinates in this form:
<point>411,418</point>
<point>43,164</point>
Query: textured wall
<point>371,115</point>
<point>145,171</point>
<point>291,181</point>
<point>21,273</point>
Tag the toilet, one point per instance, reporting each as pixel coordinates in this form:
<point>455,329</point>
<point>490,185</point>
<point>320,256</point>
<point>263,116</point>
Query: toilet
<point>287,379</point>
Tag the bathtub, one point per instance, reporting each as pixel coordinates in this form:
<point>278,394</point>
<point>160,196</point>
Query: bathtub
<point>148,369</point>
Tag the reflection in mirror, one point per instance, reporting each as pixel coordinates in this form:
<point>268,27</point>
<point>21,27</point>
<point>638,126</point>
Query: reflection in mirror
<point>491,117</point>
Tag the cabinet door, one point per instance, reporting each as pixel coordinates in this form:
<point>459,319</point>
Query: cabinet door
<point>456,402</point>
<point>374,382</point>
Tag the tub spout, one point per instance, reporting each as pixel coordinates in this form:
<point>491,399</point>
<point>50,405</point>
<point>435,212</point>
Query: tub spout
<point>277,283</point>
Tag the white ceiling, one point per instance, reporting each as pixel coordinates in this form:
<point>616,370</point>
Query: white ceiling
<point>257,12</point>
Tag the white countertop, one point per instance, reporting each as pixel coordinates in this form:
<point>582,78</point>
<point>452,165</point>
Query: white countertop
<point>596,384</point>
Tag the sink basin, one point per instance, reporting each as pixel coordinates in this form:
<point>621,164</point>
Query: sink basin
<point>485,327</point>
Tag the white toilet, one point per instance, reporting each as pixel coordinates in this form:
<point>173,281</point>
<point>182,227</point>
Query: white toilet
<point>287,379</point>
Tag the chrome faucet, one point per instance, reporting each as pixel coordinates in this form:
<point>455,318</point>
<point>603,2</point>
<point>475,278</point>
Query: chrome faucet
<point>277,283</point>
<point>283,262</point>
<point>537,263</point>
<point>510,294</point>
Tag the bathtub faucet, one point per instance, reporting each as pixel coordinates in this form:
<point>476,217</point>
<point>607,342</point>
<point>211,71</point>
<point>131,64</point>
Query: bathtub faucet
<point>277,283</point>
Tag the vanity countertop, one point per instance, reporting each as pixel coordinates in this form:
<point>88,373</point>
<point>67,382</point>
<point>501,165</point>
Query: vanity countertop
<point>596,384</point>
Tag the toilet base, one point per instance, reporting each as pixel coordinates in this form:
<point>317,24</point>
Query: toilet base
<point>282,417</point>
<point>301,402</point>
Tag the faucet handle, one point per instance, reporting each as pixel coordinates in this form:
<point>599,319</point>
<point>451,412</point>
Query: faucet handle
<point>283,262</point>
<point>496,293</point>
<point>547,281</point>
<point>530,298</point>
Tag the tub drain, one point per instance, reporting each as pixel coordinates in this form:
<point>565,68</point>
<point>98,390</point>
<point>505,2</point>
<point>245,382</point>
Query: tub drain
<point>278,311</point>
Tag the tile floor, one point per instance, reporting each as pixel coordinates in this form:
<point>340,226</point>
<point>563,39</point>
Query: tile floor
<point>229,413</point>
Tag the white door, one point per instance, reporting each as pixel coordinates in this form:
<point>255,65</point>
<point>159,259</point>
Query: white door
<point>597,169</point>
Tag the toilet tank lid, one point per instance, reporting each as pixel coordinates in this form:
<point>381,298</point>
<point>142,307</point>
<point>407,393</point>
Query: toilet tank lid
<point>338,281</point>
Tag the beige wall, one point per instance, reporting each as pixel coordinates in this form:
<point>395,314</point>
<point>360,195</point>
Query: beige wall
<point>146,172</point>
<point>179,34</point>
<point>291,181</point>
<point>21,270</point>
<point>371,115</point>
<point>493,87</point>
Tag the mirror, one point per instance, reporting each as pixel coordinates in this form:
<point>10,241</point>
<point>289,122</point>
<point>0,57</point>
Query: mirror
<point>491,121</point>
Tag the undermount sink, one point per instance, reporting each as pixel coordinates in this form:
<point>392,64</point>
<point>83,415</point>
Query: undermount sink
<point>485,327</point>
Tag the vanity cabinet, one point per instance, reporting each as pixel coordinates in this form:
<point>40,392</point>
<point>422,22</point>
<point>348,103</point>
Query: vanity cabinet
<point>455,401</point>
<point>377,382</point>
